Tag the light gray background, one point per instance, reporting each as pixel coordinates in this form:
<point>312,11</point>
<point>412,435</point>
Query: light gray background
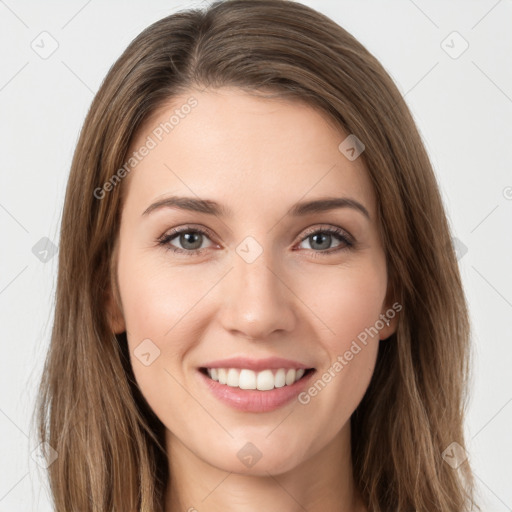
<point>463,107</point>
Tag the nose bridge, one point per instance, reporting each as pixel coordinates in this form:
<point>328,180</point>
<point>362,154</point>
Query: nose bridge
<point>256,300</point>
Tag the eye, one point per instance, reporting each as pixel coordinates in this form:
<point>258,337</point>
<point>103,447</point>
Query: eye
<point>320,240</point>
<point>191,240</point>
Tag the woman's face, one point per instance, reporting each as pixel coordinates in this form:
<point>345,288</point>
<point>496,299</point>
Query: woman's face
<point>269,284</point>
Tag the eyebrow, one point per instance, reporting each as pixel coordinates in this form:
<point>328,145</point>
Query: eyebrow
<point>211,207</point>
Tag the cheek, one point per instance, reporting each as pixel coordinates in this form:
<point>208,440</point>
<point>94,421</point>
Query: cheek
<point>349,303</point>
<point>349,306</point>
<point>156,299</point>
<point>158,309</point>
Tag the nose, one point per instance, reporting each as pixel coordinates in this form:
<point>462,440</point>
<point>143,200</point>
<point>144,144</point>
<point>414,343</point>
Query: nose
<point>257,301</point>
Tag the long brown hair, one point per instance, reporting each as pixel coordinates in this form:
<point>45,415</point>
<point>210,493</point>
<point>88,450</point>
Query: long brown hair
<point>110,445</point>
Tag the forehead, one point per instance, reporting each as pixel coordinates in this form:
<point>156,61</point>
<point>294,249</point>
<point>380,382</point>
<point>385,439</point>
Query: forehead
<point>243,150</point>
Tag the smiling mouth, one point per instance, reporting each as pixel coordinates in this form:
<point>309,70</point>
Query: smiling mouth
<point>264,380</point>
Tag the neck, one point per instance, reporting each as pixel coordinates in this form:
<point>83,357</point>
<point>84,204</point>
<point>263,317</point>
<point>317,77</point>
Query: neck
<point>323,483</point>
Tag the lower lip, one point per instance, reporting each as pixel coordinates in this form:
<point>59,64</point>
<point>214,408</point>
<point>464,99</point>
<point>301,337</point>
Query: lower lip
<point>253,400</point>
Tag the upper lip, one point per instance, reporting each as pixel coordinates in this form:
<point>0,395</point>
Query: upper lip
<point>255,364</point>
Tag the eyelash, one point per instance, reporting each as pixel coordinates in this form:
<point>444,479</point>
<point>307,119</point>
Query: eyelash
<point>165,240</point>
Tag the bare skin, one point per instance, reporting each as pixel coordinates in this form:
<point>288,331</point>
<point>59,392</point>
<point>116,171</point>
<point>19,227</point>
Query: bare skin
<point>257,157</point>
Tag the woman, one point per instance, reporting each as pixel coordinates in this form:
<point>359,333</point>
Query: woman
<point>255,370</point>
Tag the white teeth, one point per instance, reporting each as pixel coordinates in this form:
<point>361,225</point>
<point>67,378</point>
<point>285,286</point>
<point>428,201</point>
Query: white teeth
<point>290,376</point>
<point>265,380</point>
<point>249,379</point>
<point>222,375</point>
<point>233,378</point>
<point>280,378</point>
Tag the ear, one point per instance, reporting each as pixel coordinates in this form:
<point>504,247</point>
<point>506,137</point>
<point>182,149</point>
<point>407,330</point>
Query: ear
<point>389,315</point>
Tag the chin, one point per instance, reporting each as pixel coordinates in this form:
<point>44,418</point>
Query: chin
<point>257,456</point>
<point>263,467</point>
